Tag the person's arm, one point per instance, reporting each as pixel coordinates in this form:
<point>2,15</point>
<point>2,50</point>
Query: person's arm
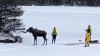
<point>90,30</point>
<point>56,32</point>
<point>52,32</point>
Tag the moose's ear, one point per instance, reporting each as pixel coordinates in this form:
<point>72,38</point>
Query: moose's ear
<point>30,27</point>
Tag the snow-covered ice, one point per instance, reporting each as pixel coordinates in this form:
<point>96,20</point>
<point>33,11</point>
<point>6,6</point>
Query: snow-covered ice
<point>70,22</point>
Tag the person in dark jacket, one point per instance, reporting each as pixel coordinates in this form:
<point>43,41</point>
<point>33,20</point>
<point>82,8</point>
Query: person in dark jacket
<point>89,30</point>
<point>54,35</point>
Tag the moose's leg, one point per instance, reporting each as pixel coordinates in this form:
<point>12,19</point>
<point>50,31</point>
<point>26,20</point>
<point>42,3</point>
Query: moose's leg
<point>46,41</point>
<point>36,40</point>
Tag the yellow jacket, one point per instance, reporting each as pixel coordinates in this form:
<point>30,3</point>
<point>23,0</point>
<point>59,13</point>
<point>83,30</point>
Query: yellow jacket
<point>54,32</point>
<point>87,39</point>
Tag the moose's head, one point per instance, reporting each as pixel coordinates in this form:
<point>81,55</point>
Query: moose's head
<point>29,29</point>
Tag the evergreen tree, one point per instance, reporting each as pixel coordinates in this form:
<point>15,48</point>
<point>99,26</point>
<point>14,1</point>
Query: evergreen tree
<point>8,13</point>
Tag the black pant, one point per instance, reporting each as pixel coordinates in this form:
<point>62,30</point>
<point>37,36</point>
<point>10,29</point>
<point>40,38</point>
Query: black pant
<point>53,38</point>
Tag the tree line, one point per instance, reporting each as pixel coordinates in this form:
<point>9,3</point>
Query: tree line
<point>59,2</point>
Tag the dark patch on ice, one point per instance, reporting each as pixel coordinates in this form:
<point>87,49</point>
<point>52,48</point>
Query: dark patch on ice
<point>74,44</point>
<point>71,44</point>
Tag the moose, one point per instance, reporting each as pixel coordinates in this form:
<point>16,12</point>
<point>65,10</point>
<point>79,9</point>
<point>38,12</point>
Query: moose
<point>37,33</point>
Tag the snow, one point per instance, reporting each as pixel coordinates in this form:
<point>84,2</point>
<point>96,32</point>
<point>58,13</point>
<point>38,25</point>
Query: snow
<point>3,37</point>
<point>70,22</point>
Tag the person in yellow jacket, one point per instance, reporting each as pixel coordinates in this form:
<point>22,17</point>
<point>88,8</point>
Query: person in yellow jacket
<point>87,39</point>
<point>54,35</point>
